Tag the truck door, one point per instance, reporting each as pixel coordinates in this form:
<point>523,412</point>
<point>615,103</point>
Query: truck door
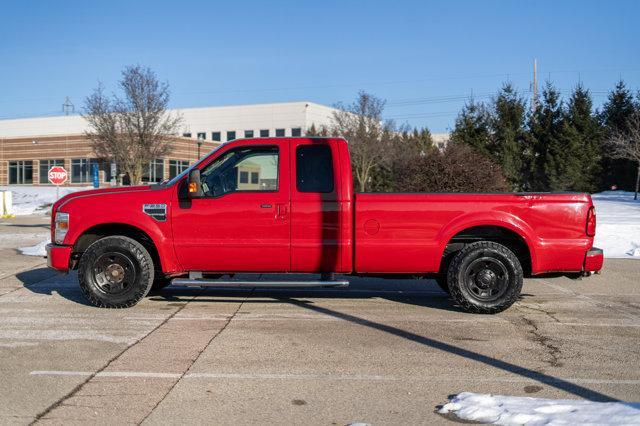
<point>243,222</point>
<point>315,206</point>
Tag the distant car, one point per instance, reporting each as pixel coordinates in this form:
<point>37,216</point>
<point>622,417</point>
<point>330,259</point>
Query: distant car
<point>287,205</point>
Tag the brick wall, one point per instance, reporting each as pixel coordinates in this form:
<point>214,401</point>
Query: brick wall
<point>79,146</point>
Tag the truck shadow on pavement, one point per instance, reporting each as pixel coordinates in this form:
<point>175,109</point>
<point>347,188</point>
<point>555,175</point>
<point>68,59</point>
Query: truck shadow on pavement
<point>67,287</point>
<point>48,282</point>
<point>419,293</point>
<point>435,299</point>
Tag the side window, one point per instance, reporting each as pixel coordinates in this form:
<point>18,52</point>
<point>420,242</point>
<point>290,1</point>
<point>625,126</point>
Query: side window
<point>243,169</point>
<point>314,168</point>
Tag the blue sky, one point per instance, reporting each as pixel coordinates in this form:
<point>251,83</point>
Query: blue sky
<point>424,57</point>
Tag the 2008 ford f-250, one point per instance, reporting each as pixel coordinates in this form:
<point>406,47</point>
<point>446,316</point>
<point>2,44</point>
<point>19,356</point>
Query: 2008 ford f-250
<point>287,205</point>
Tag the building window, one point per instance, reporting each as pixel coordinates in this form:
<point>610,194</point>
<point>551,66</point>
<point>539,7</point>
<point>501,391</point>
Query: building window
<point>231,136</point>
<point>215,136</point>
<point>176,167</point>
<point>202,135</point>
<point>264,133</point>
<point>186,135</point>
<point>244,177</point>
<point>296,132</point>
<point>81,169</point>
<point>20,172</point>
<point>279,133</point>
<point>154,171</point>
<point>255,178</point>
<point>248,133</point>
<point>45,165</point>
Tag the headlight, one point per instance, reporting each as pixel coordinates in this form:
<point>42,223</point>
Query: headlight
<point>61,227</point>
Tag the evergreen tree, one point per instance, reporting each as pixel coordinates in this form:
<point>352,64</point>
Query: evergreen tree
<point>473,127</point>
<point>615,115</point>
<point>584,124</point>
<point>421,139</point>
<point>548,144</point>
<point>508,135</point>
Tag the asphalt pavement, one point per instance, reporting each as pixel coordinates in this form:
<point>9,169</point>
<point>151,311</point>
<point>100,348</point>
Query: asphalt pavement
<point>377,352</point>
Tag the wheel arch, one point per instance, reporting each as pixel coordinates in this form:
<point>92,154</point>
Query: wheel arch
<point>96,232</point>
<point>505,233</point>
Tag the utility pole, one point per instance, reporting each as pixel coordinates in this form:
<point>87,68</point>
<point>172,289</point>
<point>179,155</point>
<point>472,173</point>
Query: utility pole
<point>67,106</point>
<point>534,89</point>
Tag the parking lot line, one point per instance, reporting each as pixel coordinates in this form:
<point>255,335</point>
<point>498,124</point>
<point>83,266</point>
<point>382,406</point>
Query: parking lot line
<point>336,377</point>
<point>294,317</point>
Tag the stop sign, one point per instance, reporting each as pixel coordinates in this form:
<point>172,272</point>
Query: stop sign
<point>57,175</point>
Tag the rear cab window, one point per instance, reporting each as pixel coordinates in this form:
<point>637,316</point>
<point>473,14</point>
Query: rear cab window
<point>314,169</point>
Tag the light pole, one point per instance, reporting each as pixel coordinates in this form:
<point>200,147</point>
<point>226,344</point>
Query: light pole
<point>200,142</point>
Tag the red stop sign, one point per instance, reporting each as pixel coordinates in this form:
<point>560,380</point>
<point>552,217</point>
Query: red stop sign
<point>57,175</point>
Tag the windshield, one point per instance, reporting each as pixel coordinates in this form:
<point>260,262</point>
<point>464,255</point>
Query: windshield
<point>186,172</point>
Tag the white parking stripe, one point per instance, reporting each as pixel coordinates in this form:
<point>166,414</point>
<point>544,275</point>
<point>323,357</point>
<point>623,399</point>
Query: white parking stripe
<point>295,317</point>
<point>287,376</point>
<point>355,377</point>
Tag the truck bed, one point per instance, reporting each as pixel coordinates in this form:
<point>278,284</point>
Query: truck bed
<point>400,233</point>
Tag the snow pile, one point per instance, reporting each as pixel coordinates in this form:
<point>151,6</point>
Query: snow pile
<point>29,200</point>
<point>618,224</point>
<point>37,250</point>
<point>514,410</point>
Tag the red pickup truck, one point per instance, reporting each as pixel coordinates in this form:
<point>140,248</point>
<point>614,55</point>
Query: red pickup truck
<point>287,205</point>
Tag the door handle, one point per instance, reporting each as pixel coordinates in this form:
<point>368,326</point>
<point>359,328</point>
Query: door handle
<point>265,206</point>
<point>281,211</point>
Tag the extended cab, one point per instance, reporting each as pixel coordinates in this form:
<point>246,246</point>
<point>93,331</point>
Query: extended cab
<point>287,205</point>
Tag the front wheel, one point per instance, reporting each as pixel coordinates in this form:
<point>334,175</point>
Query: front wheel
<point>115,272</point>
<point>485,277</point>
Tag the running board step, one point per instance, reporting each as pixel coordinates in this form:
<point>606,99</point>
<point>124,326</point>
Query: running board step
<point>185,282</point>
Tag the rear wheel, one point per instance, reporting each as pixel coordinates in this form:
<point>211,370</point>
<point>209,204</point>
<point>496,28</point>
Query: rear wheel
<point>115,272</point>
<point>485,277</point>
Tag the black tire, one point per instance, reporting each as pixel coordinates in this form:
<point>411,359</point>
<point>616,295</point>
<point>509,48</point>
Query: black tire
<point>441,280</point>
<point>485,277</point>
<point>115,272</point>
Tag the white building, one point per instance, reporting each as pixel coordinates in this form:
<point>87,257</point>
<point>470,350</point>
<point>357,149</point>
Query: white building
<point>31,146</point>
<point>218,124</point>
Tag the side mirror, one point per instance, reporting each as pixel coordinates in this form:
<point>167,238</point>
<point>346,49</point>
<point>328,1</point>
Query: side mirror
<point>194,187</point>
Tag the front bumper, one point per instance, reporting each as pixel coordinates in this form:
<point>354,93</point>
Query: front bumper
<point>593,260</point>
<point>58,257</point>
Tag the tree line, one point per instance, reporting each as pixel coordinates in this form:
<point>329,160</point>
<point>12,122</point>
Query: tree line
<point>558,145</point>
<point>502,145</point>
<point>390,158</point>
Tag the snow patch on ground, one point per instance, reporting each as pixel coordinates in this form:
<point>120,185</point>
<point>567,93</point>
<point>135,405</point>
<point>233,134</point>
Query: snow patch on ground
<point>37,250</point>
<point>15,240</point>
<point>515,410</point>
<point>618,224</point>
<point>28,200</point>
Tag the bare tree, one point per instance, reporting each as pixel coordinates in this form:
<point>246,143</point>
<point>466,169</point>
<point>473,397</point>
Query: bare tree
<point>626,145</point>
<point>368,135</point>
<point>131,129</point>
